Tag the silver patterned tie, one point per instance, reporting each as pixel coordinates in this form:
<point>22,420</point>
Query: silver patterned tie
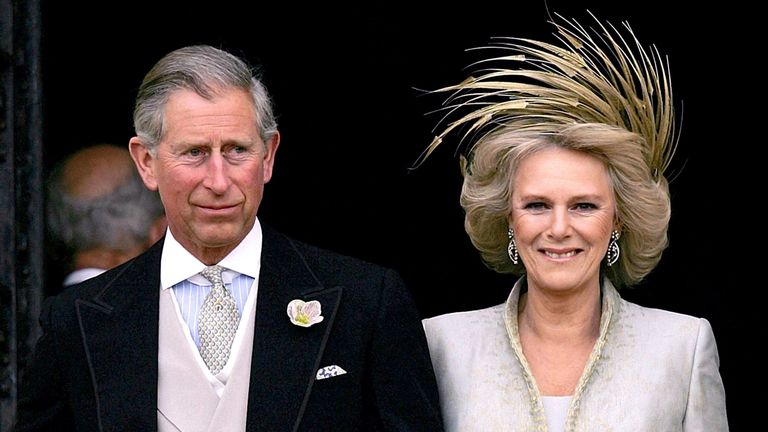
<point>217,322</point>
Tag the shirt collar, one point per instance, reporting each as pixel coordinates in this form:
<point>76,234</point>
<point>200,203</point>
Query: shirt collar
<point>80,275</point>
<point>177,264</point>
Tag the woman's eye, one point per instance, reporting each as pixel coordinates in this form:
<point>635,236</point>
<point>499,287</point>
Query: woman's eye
<point>585,206</point>
<point>536,206</point>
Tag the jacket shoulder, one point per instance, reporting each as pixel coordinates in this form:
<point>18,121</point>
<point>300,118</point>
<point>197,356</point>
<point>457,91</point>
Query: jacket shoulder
<point>63,304</point>
<point>326,264</point>
<point>659,320</point>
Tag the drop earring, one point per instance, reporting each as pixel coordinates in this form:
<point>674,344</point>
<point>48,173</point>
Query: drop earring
<point>613,249</point>
<point>512,247</point>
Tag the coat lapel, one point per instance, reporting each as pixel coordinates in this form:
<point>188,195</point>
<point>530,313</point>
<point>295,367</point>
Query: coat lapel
<point>119,334</point>
<point>285,356</point>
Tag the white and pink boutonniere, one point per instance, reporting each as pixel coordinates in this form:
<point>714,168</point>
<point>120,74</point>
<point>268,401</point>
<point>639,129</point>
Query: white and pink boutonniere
<point>305,314</point>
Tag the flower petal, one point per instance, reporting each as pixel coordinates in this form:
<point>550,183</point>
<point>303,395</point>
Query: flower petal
<point>304,314</point>
<point>313,308</point>
<point>294,307</point>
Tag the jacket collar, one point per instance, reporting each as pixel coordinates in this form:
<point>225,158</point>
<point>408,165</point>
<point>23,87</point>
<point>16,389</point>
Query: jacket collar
<point>609,311</point>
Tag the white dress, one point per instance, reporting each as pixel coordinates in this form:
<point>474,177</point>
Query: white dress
<point>650,370</point>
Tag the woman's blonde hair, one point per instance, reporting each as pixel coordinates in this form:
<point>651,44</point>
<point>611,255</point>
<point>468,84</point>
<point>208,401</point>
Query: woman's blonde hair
<point>642,204</point>
<point>597,94</point>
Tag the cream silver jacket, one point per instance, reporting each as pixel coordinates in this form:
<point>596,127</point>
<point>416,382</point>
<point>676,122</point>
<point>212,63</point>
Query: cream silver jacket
<point>650,370</point>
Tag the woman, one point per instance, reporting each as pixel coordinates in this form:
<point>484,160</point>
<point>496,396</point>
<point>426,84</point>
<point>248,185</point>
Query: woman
<point>566,187</point>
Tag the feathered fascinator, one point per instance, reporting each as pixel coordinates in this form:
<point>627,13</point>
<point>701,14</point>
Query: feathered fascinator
<point>594,75</point>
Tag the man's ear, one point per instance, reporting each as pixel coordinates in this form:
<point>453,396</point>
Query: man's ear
<point>269,155</point>
<point>144,162</point>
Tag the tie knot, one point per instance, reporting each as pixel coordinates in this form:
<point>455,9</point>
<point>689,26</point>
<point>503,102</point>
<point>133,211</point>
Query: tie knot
<point>213,274</point>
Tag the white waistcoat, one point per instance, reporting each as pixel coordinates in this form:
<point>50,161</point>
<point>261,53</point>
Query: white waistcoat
<point>186,401</point>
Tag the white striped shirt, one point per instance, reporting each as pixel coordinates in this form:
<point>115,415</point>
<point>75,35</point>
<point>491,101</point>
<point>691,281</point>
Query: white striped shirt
<point>191,293</point>
<point>180,271</point>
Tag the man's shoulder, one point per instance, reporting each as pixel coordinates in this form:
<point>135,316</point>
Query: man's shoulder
<point>61,307</point>
<point>314,254</point>
<point>89,289</point>
<point>327,256</point>
<point>330,267</point>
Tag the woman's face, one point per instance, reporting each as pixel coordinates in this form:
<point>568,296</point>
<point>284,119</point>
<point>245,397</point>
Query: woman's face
<point>563,212</point>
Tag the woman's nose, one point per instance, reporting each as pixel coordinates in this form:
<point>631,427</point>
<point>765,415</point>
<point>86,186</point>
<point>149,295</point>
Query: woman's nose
<point>560,224</point>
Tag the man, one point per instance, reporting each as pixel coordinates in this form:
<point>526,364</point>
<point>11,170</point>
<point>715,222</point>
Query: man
<point>170,342</point>
<point>99,211</point>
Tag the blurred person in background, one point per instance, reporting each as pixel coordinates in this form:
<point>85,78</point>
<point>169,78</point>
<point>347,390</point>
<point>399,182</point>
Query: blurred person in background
<point>99,212</point>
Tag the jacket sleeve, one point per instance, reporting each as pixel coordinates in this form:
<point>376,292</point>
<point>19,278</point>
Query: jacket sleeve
<point>706,397</point>
<point>42,403</point>
<point>402,378</point>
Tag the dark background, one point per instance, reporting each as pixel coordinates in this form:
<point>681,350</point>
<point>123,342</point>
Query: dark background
<point>344,81</point>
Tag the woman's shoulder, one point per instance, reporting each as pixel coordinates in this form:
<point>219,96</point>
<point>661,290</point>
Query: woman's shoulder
<point>460,340</point>
<point>659,322</point>
<point>465,329</point>
<point>660,316</point>
<point>474,318</point>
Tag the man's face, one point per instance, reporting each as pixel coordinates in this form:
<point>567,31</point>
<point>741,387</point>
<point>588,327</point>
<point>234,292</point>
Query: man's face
<point>210,169</point>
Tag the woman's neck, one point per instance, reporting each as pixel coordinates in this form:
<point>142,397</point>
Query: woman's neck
<point>574,317</point>
<point>557,333</point>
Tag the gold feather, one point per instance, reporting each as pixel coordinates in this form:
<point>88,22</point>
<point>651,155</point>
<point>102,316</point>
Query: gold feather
<point>595,75</point>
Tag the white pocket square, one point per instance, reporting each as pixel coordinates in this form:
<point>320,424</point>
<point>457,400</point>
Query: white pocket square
<point>329,372</point>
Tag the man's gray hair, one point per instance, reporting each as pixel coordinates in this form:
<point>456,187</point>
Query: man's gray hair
<point>206,71</point>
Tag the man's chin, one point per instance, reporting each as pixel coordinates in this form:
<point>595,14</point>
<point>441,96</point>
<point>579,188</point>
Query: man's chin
<point>221,236</point>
